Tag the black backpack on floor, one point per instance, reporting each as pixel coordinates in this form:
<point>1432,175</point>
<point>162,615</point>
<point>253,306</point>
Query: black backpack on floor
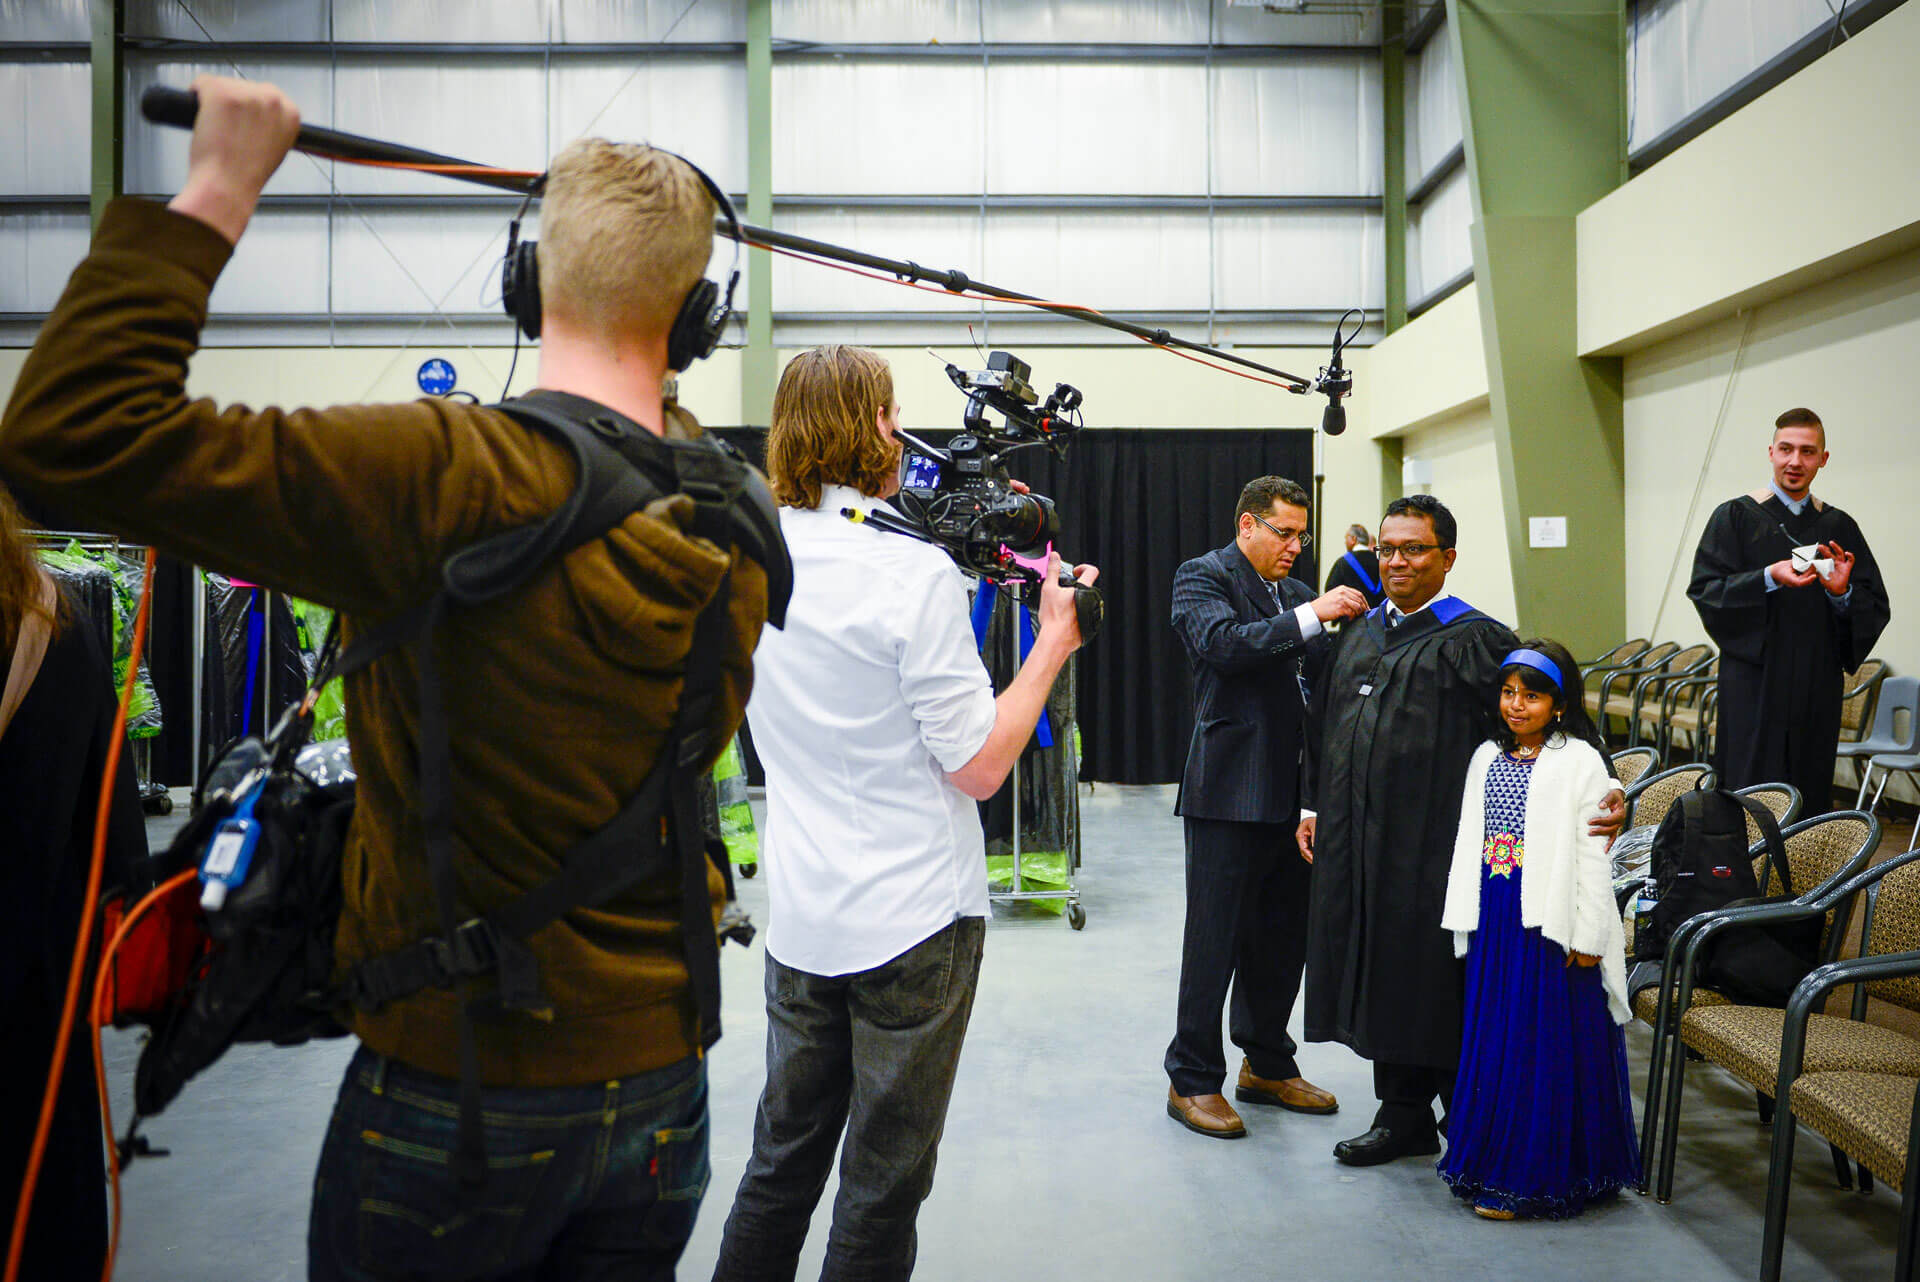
<point>1701,861</point>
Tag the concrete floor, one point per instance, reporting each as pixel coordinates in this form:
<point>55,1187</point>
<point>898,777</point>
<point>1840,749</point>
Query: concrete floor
<point>1059,1160</point>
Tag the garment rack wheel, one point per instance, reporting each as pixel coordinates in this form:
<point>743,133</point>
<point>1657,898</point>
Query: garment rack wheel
<point>1076,915</point>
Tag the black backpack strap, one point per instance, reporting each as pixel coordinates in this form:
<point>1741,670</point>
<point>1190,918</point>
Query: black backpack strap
<point>614,481</point>
<point>1776,848</point>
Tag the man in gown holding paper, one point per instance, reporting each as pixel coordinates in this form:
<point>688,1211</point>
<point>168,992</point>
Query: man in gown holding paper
<point>1789,590</point>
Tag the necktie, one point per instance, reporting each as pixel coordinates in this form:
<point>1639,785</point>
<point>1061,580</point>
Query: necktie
<point>1394,617</point>
<point>1299,664</point>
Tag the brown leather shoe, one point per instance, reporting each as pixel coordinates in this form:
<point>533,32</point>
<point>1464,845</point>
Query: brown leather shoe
<point>1296,1094</point>
<point>1207,1114</point>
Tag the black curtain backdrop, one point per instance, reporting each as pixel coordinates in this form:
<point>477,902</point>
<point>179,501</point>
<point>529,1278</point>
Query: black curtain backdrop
<point>1134,501</point>
<point>1137,502</point>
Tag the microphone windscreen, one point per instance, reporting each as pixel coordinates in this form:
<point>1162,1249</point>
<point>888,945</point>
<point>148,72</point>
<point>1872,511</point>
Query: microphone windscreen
<point>1334,420</point>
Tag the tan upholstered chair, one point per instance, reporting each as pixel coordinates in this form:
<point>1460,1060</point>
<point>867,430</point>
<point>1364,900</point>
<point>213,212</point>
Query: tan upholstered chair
<point>1825,855</point>
<point>1630,765</point>
<point>1849,1081</point>
<point>1651,796</point>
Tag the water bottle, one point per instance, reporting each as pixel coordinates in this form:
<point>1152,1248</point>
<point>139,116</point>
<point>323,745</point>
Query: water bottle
<point>1643,906</point>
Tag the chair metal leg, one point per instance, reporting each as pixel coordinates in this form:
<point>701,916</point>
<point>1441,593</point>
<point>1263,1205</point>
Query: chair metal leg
<point>1842,1169</point>
<point>1779,1183</point>
<point>1866,777</point>
<point>1670,1114</point>
<point>1863,1178</point>
<point>1656,1082</point>
<point>1763,1104</point>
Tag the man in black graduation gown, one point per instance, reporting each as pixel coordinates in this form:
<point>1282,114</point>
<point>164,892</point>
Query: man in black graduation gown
<point>1246,626</point>
<point>1787,630</point>
<point>1406,695</point>
<point>1358,568</point>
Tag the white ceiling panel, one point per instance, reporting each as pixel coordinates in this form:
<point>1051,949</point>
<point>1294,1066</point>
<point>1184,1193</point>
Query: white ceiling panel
<point>874,125</point>
<point>38,252</point>
<point>45,114</point>
<point>1299,126</point>
<point>1097,128</point>
<point>279,266</point>
<point>1285,260</point>
<point>620,99</point>
<point>1121,261</point>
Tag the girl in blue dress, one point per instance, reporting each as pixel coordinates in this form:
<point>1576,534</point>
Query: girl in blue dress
<point>1542,1119</point>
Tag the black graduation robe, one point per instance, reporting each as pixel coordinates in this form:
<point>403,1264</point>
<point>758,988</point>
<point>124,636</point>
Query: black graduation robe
<point>1359,570</point>
<point>51,759</point>
<point>1396,717</point>
<point>1783,653</point>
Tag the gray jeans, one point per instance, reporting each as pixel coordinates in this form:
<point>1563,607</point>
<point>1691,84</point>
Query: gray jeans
<point>873,1052</point>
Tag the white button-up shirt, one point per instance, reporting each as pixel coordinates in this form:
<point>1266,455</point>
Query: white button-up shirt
<point>861,706</point>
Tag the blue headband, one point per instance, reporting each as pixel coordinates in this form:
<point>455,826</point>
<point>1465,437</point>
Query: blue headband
<point>1538,662</point>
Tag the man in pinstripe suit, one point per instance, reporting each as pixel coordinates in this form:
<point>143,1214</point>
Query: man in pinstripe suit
<point>1247,628</point>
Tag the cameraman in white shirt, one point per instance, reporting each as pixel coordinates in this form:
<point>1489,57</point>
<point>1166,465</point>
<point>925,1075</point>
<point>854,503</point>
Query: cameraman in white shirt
<point>879,729</point>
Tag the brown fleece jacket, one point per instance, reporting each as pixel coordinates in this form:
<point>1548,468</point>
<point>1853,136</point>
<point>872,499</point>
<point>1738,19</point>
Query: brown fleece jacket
<point>558,696</point>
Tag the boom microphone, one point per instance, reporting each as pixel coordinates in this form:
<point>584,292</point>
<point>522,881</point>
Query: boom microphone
<point>1335,380</point>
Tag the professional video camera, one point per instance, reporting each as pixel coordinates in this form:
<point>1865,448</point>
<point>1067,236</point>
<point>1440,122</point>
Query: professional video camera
<point>962,499</point>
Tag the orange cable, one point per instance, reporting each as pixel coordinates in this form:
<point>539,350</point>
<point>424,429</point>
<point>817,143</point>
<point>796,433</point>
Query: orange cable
<point>450,170</point>
<point>99,1019</point>
<point>1042,304</point>
<point>76,972</point>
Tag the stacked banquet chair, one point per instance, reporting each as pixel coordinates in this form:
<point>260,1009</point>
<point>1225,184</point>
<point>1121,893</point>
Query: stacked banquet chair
<point>1687,707</point>
<point>1824,854</point>
<point>1619,667</point>
<point>1894,745</point>
<point>1853,1083</point>
<point>1648,708</point>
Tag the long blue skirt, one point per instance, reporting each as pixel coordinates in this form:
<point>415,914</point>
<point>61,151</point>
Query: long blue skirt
<point>1542,1117</point>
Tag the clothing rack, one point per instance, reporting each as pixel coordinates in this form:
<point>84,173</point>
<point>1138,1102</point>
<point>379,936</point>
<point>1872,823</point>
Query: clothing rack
<point>153,796</point>
<point>1076,915</point>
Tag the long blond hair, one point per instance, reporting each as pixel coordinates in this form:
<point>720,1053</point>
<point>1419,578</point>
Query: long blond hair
<point>19,577</point>
<point>826,429</point>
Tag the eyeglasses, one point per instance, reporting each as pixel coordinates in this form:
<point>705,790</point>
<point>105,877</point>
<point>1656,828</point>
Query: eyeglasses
<point>1409,552</point>
<point>1286,536</point>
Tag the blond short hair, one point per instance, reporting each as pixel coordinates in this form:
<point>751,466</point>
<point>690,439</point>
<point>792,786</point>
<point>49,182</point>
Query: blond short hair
<point>625,232</point>
<point>825,427</point>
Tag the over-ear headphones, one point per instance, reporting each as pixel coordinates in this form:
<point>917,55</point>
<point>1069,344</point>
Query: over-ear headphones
<point>702,318</point>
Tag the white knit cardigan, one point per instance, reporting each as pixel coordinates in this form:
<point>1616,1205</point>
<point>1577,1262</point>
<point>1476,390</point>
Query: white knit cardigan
<point>1566,886</point>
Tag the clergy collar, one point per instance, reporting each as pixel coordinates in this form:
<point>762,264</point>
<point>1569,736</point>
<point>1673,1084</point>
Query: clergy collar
<point>1798,507</point>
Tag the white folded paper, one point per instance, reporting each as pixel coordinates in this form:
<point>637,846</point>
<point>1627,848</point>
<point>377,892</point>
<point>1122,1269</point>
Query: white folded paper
<point>1808,557</point>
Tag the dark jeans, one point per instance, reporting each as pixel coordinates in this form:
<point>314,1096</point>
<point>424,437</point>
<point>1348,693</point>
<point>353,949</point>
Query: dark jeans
<point>875,1052</point>
<point>600,1181</point>
<point>1247,893</point>
<point>1406,1093</point>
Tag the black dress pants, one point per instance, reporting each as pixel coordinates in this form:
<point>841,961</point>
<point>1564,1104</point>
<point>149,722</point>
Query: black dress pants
<point>1247,891</point>
<point>1406,1093</point>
